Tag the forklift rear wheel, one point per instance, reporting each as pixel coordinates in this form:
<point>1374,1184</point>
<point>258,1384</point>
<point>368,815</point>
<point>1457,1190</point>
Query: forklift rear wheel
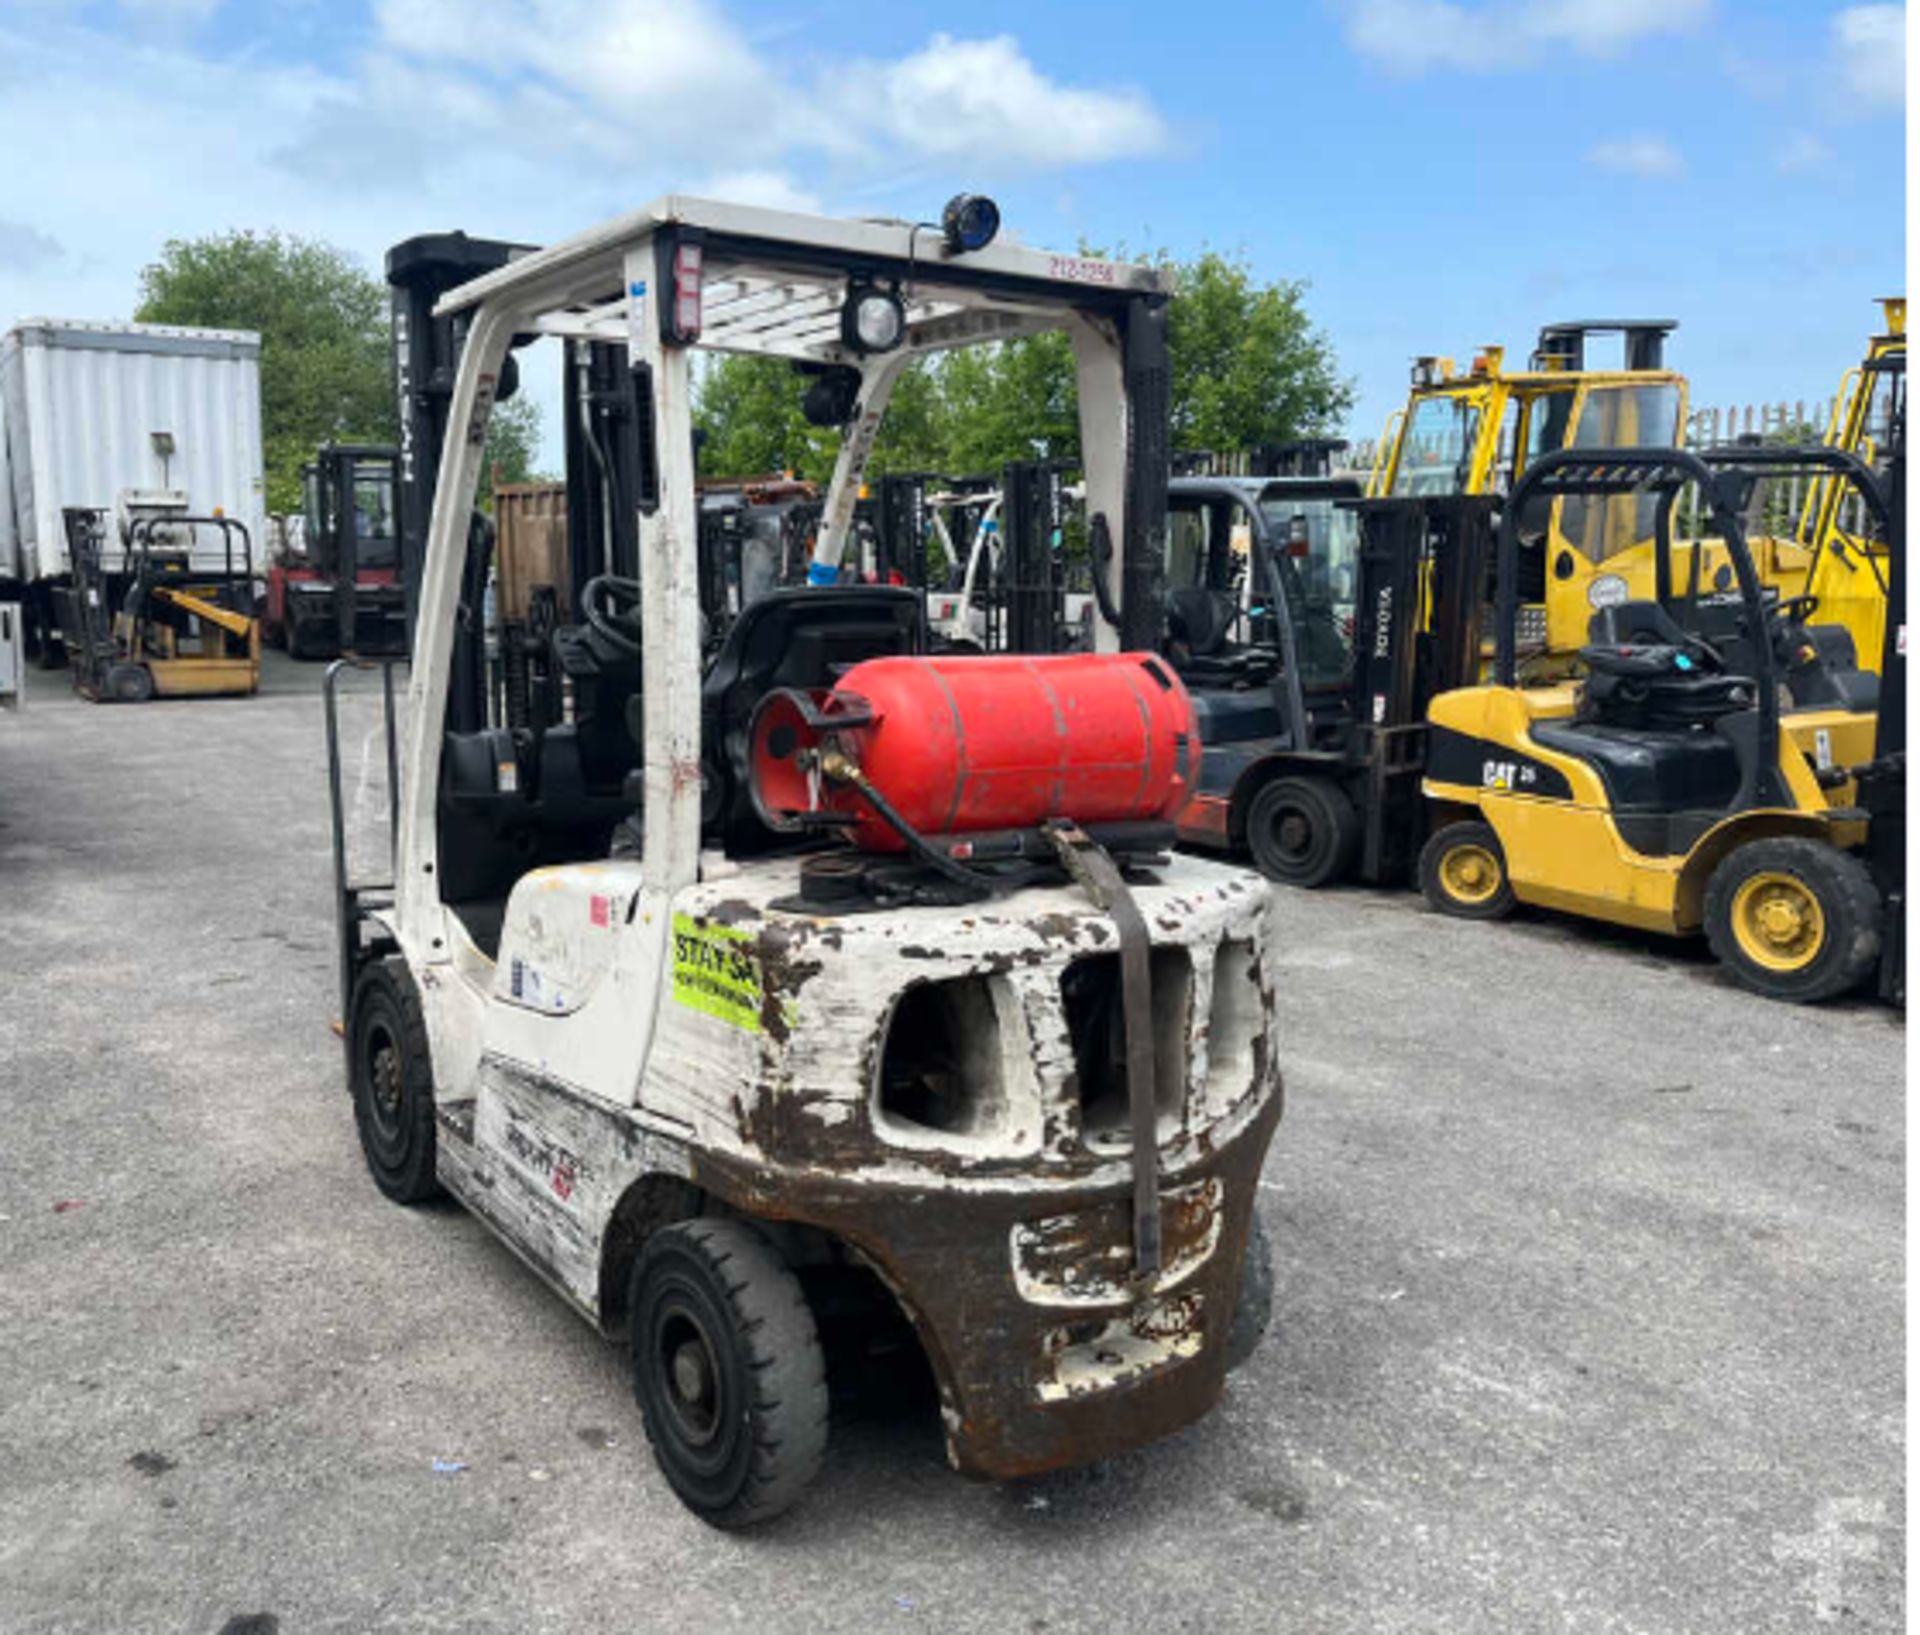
<point>129,683</point>
<point>392,1078</point>
<point>1463,872</point>
<point>1794,918</point>
<point>728,1370</point>
<point>1303,831</point>
<point>1254,1309</point>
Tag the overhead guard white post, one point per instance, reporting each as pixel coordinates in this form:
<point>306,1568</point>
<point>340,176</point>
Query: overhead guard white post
<point>1100,374</point>
<point>669,600</point>
<point>420,917</point>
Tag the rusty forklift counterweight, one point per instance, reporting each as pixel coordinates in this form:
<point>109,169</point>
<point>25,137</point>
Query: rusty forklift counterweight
<point>692,1058</point>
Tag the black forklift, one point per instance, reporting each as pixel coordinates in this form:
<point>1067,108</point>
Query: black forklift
<point>1311,627</point>
<point>1012,574</point>
<point>343,594</point>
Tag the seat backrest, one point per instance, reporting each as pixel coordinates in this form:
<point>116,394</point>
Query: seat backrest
<point>1198,618</point>
<point>1636,624</point>
<point>805,637</point>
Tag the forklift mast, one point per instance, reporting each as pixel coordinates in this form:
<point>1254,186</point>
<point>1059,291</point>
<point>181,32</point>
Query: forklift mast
<point>426,360</point>
<point>602,450</point>
<point>900,528</point>
<point>1883,793</point>
<point>1030,589</point>
<point>1563,346</point>
<point>1424,569</point>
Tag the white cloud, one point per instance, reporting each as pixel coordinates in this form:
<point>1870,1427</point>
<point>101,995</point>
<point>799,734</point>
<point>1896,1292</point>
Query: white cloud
<point>1870,48</point>
<point>1802,152</point>
<point>1638,156</point>
<point>26,247</point>
<point>680,76</point>
<point>984,99</point>
<point>1412,36</point>
<point>522,121</point>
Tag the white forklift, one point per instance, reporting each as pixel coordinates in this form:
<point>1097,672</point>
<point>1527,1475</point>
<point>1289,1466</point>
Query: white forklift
<point>827,957</point>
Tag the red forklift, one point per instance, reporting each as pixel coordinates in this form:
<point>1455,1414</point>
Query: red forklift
<point>342,592</point>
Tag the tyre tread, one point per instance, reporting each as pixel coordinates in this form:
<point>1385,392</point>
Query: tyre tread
<point>1847,895</point>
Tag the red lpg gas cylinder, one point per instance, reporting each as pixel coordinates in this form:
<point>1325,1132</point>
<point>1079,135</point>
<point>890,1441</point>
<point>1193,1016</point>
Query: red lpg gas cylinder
<point>970,742</point>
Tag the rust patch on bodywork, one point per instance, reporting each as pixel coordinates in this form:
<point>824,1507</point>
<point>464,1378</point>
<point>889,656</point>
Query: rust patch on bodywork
<point>1025,1386</point>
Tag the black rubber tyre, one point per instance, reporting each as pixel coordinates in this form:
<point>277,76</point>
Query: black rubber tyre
<point>728,1370</point>
<point>1254,1311</point>
<point>1303,831</point>
<point>1445,882</point>
<point>1794,919</point>
<point>129,683</point>
<point>391,1076</point>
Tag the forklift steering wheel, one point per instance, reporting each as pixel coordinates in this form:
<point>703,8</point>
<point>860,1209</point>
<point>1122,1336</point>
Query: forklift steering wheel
<point>612,606</point>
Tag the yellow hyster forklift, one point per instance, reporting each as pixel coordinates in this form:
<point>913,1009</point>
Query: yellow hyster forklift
<point>735,985</point>
<point>1475,431</point>
<point>1713,769</point>
<point>182,629</point>
<point>1846,565</point>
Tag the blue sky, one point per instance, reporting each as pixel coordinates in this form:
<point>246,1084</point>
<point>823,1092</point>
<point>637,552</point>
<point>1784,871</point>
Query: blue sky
<point>1443,173</point>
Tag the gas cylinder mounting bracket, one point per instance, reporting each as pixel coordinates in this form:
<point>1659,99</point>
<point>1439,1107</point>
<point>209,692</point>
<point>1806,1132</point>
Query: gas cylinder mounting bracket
<point>1096,873</point>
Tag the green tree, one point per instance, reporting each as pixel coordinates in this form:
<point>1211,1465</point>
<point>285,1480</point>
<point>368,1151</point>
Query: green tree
<point>322,321</point>
<point>1248,367</point>
<point>513,447</point>
<point>749,408</point>
<point>1014,401</point>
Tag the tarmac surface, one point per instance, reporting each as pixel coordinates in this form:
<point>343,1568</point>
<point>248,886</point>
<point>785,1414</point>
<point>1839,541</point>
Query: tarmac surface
<point>1589,1315</point>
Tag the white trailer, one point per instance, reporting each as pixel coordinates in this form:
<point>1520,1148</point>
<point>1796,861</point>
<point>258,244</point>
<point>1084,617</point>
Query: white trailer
<point>97,412</point>
<point>12,634</point>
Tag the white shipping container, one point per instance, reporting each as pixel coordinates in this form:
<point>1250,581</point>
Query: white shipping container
<point>93,410</point>
<point>9,534</point>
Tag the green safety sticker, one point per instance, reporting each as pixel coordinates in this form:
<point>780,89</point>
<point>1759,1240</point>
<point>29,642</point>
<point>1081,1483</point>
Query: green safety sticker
<point>716,970</point>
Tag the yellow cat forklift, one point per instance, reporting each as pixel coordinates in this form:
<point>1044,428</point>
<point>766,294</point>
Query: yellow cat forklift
<point>183,629</point>
<point>1710,771</point>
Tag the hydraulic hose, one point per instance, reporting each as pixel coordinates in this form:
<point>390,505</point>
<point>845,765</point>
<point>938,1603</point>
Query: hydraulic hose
<point>842,769</point>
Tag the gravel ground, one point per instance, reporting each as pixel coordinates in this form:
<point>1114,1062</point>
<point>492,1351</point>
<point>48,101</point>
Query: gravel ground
<point>1590,1310</point>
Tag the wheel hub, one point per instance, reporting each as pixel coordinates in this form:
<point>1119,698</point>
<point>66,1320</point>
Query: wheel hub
<point>692,1376</point>
<point>689,1375</point>
<point>386,1078</point>
<point>1470,873</point>
<point>1777,921</point>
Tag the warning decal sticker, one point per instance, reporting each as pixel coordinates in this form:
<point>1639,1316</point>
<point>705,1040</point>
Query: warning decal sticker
<point>716,970</point>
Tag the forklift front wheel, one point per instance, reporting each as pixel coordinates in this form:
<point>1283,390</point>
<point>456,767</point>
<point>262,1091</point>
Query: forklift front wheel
<point>129,683</point>
<point>1794,918</point>
<point>1303,831</point>
<point>393,1083</point>
<point>1463,872</point>
<point>728,1370</point>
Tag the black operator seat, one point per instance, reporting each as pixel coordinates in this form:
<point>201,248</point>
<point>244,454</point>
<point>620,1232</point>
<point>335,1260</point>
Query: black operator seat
<point>1199,622</point>
<point>803,637</point>
<point>1651,714</point>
